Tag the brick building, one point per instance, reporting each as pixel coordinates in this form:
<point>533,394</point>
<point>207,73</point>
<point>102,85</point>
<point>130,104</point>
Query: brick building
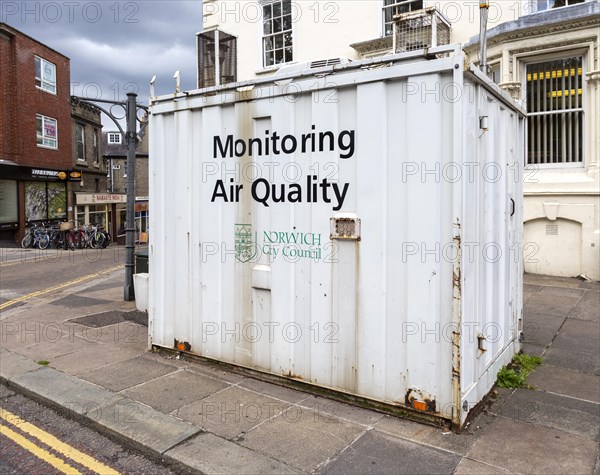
<point>86,128</point>
<point>35,133</point>
<point>115,156</point>
<point>89,196</point>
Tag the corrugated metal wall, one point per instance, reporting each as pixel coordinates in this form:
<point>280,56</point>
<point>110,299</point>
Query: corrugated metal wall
<point>374,316</point>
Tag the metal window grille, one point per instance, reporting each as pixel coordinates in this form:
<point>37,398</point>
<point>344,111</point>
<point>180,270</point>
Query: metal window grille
<point>346,227</point>
<point>555,109</point>
<point>392,8</point>
<point>420,29</point>
<point>277,33</point>
<point>215,44</point>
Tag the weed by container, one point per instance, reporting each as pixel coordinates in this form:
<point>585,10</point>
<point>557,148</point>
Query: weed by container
<point>515,374</point>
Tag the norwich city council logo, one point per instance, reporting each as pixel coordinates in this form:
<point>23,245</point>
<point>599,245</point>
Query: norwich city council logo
<point>245,245</point>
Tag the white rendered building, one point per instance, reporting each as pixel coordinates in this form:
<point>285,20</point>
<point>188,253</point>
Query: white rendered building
<point>544,52</point>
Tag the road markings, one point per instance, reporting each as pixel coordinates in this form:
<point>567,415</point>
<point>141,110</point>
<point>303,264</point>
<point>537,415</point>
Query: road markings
<point>57,287</point>
<point>25,259</point>
<point>56,444</point>
<point>40,453</point>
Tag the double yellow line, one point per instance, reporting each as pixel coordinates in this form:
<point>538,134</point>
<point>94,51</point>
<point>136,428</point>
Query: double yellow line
<point>48,439</point>
<point>22,298</point>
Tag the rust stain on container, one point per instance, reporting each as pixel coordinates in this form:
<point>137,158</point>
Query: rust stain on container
<point>289,374</point>
<point>181,345</point>
<point>419,401</point>
<point>457,321</point>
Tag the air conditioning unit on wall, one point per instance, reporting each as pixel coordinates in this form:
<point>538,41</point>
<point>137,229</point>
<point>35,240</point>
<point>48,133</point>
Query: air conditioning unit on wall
<point>420,29</point>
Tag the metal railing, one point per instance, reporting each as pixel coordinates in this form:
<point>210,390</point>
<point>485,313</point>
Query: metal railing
<point>420,29</point>
<point>392,8</point>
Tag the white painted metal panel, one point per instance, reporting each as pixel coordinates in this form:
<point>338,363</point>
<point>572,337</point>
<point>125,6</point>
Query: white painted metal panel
<point>262,285</point>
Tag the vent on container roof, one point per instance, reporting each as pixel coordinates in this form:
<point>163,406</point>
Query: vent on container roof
<point>317,63</point>
<point>325,62</point>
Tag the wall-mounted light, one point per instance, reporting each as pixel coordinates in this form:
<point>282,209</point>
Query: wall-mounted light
<point>483,123</point>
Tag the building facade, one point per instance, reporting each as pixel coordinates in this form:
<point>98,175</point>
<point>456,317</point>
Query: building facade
<point>115,158</point>
<point>89,167</point>
<point>544,52</point>
<point>271,33</point>
<point>35,136</point>
<point>548,60</point>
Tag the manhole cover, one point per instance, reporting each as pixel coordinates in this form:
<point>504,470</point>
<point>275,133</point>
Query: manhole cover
<point>110,318</point>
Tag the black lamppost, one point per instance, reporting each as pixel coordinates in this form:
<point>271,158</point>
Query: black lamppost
<point>131,109</point>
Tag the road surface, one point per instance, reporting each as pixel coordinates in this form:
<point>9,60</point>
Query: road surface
<point>37,440</point>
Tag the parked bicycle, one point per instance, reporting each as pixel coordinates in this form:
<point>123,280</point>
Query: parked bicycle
<point>57,240</point>
<point>88,236</point>
<point>36,236</point>
<point>101,237</point>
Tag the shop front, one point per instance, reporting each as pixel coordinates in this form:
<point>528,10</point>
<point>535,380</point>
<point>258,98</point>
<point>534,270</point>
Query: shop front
<point>31,196</point>
<point>110,210</point>
<point>107,209</point>
<point>141,219</point>
<point>9,209</point>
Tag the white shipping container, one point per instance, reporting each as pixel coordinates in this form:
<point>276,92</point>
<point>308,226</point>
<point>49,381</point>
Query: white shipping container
<point>355,227</point>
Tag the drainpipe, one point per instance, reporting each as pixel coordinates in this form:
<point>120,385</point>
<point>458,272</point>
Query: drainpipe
<point>483,17</point>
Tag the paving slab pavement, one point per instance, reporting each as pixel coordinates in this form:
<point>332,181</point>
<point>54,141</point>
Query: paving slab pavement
<point>555,379</point>
<point>174,390</point>
<point>232,412</point>
<point>206,419</point>
<point>570,415</point>
<point>377,453</point>
<point>208,453</point>
<point>471,467</point>
<point>128,373</point>
<point>521,447</point>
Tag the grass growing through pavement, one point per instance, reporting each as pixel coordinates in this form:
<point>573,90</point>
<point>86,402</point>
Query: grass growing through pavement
<point>43,362</point>
<point>515,375</point>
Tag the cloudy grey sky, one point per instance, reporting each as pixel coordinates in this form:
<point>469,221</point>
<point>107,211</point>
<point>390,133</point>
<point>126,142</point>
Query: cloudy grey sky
<point>115,46</point>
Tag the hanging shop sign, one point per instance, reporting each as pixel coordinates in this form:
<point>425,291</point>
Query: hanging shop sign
<point>75,175</point>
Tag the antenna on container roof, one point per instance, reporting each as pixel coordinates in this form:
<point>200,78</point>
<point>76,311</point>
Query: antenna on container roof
<point>177,78</point>
<point>484,7</point>
<point>152,81</point>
